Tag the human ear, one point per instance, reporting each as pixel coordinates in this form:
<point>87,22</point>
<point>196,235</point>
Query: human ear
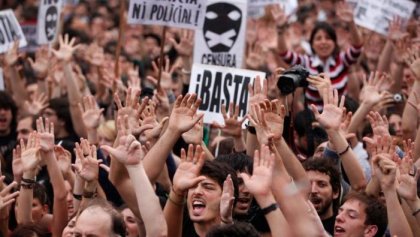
<point>370,231</point>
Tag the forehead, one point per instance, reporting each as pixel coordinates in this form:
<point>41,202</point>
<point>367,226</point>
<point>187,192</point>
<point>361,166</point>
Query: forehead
<point>317,176</point>
<point>25,123</point>
<point>94,222</point>
<point>394,118</point>
<point>354,205</point>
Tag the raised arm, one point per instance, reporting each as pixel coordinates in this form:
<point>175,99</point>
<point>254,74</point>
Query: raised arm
<point>345,13</point>
<point>6,199</point>
<point>46,136</point>
<point>64,56</point>
<point>330,120</point>
<point>259,185</point>
<point>91,117</point>
<point>186,177</point>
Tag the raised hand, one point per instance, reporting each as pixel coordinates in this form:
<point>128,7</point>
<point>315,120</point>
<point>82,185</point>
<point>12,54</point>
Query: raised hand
<point>12,55</point>
<point>7,198</point>
<point>39,103</point>
<point>395,32</point>
<point>45,134</point>
<point>30,156</point>
<point>407,185</point>
<point>17,166</point>
<point>385,170</point>
<point>129,151</point>
<point>163,107</point>
<point>233,126</point>
<point>166,78</point>
<point>88,168</point>
<point>91,113</point>
<point>279,15</point>
<point>413,61</point>
<point>195,134</point>
<point>184,113</point>
<point>63,159</point>
<point>344,12</point>
<point>41,64</point>
<point>66,50</point>
<point>255,57</point>
<point>330,118</point>
<point>186,43</point>
<point>320,81</point>
<point>188,171</point>
<point>379,124</point>
<point>134,78</point>
<point>257,94</point>
<point>132,109</point>
<point>227,200</point>
<point>149,124</point>
<point>259,184</point>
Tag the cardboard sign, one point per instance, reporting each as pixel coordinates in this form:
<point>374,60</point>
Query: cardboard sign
<point>48,20</point>
<point>217,85</point>
<point>222,40</point>
<point>256,7</point>
<point>376,14</point>
<point>177,13</point>
<point>30,31</point>
<point>9,31</point>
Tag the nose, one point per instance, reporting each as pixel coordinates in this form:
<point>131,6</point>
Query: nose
<point>198,190</point>
<point>314,187</point>
<point>340,217</point>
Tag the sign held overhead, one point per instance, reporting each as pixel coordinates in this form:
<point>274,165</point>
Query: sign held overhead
<point>10,31</point>
<point>48,20</point>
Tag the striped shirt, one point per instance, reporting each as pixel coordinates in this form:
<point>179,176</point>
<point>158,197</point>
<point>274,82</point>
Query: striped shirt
<point>335,67</point>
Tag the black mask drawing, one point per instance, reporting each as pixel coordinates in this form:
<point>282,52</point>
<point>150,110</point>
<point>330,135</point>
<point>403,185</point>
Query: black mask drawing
<point>51,18</point>
<point>221,26</point>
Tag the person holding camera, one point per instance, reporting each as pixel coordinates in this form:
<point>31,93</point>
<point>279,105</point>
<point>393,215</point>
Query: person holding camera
<point>326,56</point>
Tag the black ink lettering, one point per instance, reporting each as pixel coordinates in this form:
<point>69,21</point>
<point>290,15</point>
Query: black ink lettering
<point>137,8</point>
<point>226,85</point>
<point>243,101</point>
<point>197,87</point>
<point>237,81</point>
<point>205,90</point>
<point>215,100</point>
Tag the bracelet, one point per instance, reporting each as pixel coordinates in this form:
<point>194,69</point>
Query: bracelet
<point>416,212</point>
<point>226,222</point>
<point>27,186</point>
<point>87,194</point>
<point>77,196</point>
<point>344,152</point>
<point>28,181</point>
<point>269,209</point>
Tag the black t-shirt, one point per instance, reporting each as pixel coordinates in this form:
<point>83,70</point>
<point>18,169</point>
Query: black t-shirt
<point>188,229</point>
<point>329,224</point>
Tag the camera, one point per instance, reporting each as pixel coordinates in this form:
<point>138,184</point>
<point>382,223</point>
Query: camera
<point>292,78</point>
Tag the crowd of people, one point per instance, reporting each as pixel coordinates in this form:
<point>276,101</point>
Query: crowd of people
<point>86,152</point>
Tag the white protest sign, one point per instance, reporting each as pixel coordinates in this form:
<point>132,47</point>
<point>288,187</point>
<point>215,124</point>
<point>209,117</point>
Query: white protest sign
<point>177,13</point>
<point>9,31</point>
<point>256,7</point>
<point>29,30</point>
<point>221,41</point>
<point>1,80</point>
<point>217,85</point>
<point>352,3</point>
<point>48,20</point>
<point>376,14</point>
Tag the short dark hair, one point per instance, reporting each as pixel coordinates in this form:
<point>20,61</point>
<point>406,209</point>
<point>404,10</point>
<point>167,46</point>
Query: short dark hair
<point>375,211</point>
<point>329,30</point>
<point>325,166</point>
<point>239,161</point>
<point>237,229</point>
<point>40,193</point>
<point>218,171</point>
<point>31,229</point>
<point>61,108</point>
<point>7,102</point>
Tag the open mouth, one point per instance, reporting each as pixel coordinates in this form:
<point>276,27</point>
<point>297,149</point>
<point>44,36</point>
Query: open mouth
<point>315,200</point>
<point>198,207</point>
<point>243,203</point>
<point>338,230</point>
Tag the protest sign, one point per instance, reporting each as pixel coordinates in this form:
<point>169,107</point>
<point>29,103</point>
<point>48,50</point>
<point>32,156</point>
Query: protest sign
<point>1,80</point>
<point>217,86</point>
<point>256,7</point>
<point>177,13</point>
<point>352,3</point>
<point>376,14</point>
<point>29,30</point>
<point>48,20</point>
<point>10,31</point>
<point>222,40</point>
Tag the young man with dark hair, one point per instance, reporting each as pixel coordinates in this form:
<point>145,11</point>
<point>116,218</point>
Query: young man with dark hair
<point>361,215</point>
<point>8,113</point>
<point>325,189</point>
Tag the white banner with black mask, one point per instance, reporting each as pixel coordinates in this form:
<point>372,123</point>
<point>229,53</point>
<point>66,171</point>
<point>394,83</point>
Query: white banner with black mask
<point>48,20</point>
<point>222,40</point>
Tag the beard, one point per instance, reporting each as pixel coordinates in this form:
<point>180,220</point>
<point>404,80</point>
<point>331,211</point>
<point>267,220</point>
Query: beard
<point>321,205</point>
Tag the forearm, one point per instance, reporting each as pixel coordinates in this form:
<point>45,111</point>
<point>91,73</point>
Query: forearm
<point>276,221</point>
<point>412,221</point>
<point>355,36</point>
<point>373,188</point>
<point>209,156</point>
<point>409,117</point>
<point>251,144</point>
<point>79,183</point>
<point>415,205</point>
<point>397,76</point>
<point>92,136</point>
<point>358,117</point>
<point>292,164</point>
<point>239,144</point>
<point>18,87</point>
<point>25,198</point>
<point>281,42</point>
<point>349,161</point>
<point>397,223</point>
<point>173,212</point>
<point>74,97</point>
<point>148,202</point>
<point>155,159</point>
<point>385,59</point>
<point>186,62</point>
